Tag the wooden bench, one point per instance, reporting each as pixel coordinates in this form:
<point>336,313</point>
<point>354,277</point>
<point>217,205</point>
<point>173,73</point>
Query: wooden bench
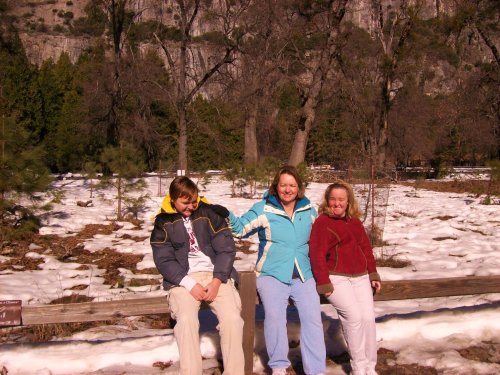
<point>108,310</point>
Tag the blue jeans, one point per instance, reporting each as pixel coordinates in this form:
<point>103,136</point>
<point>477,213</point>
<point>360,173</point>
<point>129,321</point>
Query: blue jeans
<point>274,295</point>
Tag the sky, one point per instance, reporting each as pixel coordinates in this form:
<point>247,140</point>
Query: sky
<point>441,234</point>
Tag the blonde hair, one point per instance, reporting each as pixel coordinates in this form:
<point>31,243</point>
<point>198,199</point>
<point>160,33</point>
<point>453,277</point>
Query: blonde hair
<point>352,211</point>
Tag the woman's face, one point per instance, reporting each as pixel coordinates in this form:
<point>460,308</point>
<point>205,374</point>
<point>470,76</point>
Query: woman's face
<point>185,205</point>
<point>287,189</point>
<point>337,202</point>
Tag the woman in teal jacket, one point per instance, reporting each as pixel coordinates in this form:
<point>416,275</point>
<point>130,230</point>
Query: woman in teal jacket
<point>283,221</point>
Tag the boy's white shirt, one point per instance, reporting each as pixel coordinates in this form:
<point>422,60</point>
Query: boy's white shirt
<point>198,261</point>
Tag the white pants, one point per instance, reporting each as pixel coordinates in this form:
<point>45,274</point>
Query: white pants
<point>353,299</point>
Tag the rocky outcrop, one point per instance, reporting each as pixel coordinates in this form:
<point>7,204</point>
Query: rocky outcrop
<point>40,47</point>
<point>364,14</point>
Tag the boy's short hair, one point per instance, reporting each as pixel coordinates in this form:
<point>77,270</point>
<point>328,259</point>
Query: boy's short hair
<point>182,186</point>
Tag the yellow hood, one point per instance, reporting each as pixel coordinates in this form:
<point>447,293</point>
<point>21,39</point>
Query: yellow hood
<point>166,206</point>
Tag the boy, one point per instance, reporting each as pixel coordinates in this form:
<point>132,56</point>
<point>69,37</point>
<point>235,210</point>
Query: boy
<point>194,251</point>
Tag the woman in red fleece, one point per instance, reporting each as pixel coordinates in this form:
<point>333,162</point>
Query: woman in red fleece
<point>344,268</point>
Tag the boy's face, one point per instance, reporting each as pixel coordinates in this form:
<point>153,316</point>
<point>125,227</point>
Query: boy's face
<point>185,205</point>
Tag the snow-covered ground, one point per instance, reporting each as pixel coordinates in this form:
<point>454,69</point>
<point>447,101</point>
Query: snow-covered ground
<point>441,234</point>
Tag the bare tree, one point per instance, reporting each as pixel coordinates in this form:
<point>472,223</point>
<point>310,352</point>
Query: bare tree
<point>116,11</point>
<point>393,29</point>
<point>261,58</point>
<point>180,56</point>
<point>482,17</point>
<point>328,19</point>
<point>371,77</point>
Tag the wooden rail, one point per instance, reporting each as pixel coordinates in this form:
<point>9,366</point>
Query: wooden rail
<point>446,287</point>
<point>108,310</point>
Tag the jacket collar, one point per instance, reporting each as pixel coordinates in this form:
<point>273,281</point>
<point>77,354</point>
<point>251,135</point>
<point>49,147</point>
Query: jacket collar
<point>166,205</point>
<point>302,203</point>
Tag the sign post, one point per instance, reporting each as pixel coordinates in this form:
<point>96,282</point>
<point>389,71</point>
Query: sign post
<point>10,313</point>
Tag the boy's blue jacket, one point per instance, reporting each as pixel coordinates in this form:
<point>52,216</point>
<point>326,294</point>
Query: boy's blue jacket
<point>283,242</point>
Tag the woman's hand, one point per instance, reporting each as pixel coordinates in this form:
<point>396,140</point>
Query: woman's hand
<point>376,285</point>
<point>220,210</point>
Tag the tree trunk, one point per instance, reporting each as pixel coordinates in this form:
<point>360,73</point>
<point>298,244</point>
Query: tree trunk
<point>298,153</point>
<point>116,9</point>
<point>489,43</point>
<point>119,198</point>
<point>182,141</point>
<point>251,152</point>
<point>308,113</point>
<point>306,121</point>
<point>380,151</point>
<point>181,99</point>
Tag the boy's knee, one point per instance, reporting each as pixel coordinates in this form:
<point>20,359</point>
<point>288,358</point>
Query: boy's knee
<point>233,323</point>
<point>233,320</point>
<point>187,319</point>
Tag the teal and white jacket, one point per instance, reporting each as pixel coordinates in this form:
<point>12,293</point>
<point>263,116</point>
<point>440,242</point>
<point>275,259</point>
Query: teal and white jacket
<point>283,242</point>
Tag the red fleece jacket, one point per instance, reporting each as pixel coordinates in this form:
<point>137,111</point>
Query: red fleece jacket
<point>339,247</point>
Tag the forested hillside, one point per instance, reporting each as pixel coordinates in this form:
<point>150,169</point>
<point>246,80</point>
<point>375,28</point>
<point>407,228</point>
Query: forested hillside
<point>210,84</point>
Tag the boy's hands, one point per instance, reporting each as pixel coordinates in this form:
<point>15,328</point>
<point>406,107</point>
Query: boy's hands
<point>198,292</point>
<point>207,293</point>
<point>212,289</point>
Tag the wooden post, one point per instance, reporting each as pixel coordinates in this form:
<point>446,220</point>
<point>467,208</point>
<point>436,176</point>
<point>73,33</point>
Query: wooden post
<point>373,204</point>
<point>159,180</point>
<point>248,295</point>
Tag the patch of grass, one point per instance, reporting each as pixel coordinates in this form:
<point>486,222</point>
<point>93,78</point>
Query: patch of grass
<point>478,231</point>
<point>477,187</point>
<point>74,298</point>
<point>162,365</point>
<point>406,214</point>
<point>487,351</point>
<point>46,332</point>
<point>142,282</point>
<point>388,258</point>
<point>444,238</point>
<point>70,249</point>
<point>148,271</point>
<point>21,264</point>
<point>79,287</point>
<point>133,238</point>
<point>386,365</point>
<point>375,235</point>
<point>57,196</point>
<point>444,217</point>
<point>244,246</point>
<point>157,321</point>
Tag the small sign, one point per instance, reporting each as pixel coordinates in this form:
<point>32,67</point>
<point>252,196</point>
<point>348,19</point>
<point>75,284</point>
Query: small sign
<point>10,313</point>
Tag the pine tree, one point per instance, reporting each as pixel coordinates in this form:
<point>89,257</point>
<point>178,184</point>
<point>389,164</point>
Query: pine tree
<point>125,163</point>
<point>22,167</point>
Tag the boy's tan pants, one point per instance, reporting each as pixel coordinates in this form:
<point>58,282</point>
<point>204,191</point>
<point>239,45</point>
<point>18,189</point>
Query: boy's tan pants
<point>227,307</point>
